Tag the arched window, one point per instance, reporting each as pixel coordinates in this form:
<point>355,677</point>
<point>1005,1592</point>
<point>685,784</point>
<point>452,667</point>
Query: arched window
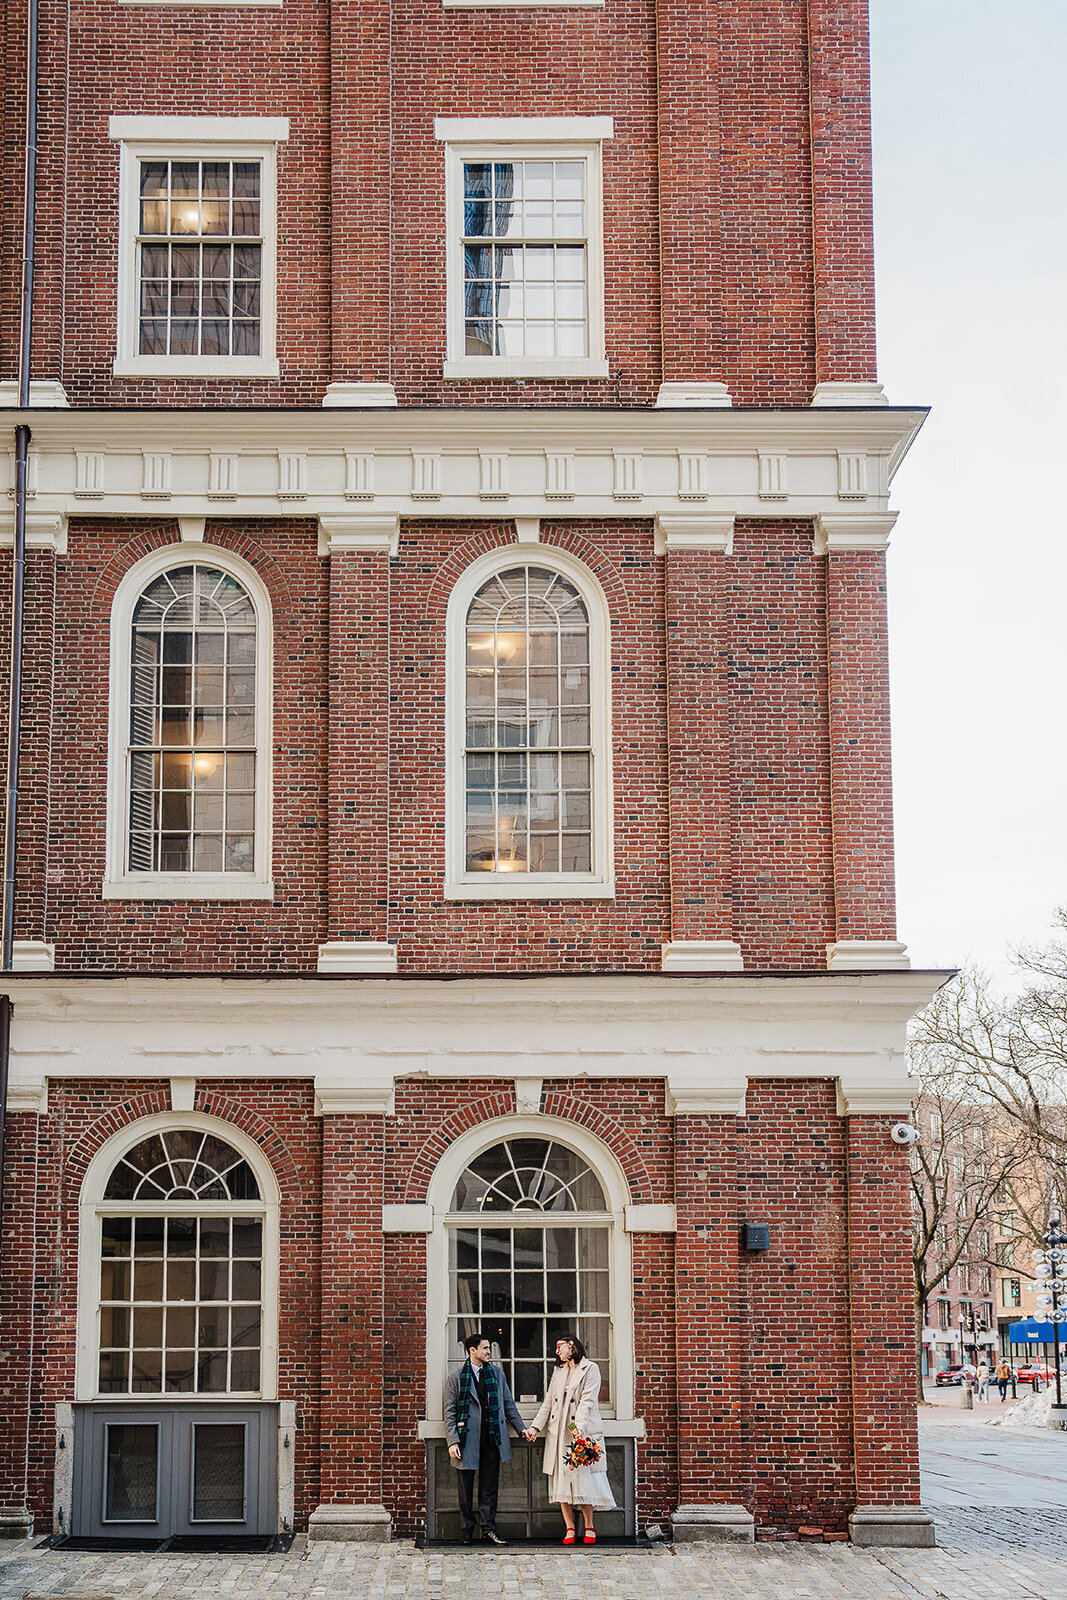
<point>190,702</point>
<point>530,1234</point>
<point>184,1240</point>
<point>530,768</point>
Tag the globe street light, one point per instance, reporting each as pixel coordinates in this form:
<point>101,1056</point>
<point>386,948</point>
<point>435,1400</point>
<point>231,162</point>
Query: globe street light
<point>1050,1264</point>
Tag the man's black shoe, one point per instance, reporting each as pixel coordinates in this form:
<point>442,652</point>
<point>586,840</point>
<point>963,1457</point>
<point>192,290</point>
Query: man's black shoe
<point>492,1537</point>
<point>468,1536</point>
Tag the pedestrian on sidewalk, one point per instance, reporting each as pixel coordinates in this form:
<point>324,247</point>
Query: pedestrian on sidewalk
<point>984,1375</point>
<point>1003,1378</point>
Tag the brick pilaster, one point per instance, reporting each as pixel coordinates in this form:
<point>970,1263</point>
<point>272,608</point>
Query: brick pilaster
<point>19,1343</point>
<point>860,775</point>
<point>882,1318</point>
<point>359,744</point>
<point>361,180</point>
<point>35,754</point>
<point>707,1311</point>
<point>353,1311</point>
<point>842,203</point>
<point>689,189</point>
<point>698,746</point>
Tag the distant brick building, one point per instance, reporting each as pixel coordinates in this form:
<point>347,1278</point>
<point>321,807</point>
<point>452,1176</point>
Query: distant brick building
<point>455,862</point>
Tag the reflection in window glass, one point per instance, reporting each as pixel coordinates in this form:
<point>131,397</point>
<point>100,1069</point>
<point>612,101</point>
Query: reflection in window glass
<point>528,756</point>
<point>192,740</point>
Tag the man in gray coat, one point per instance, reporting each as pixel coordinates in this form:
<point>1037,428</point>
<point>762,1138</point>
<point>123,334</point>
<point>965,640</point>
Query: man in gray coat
<point>478,1408</point>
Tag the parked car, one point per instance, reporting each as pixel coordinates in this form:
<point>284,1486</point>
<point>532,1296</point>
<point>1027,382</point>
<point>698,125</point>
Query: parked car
<point>953,1375</point>
<point>1031,1370</point>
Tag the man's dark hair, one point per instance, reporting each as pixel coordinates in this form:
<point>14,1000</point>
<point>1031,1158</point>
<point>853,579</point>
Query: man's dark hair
<point>576,1345</point>
<point>473,1340</point>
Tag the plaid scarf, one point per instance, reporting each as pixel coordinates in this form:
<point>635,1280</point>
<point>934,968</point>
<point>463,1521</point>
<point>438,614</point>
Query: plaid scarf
<point>466,1387</point>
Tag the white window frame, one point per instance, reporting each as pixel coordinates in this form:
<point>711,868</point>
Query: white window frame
<point>449,1170</point>
<point>599,884</point>
<point>119,882</point>
<point>519,139</point>
<point>92,1208</point>
<point>185,139</point>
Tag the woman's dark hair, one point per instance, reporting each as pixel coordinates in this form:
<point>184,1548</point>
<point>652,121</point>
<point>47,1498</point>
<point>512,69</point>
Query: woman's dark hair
<point>576,1345</point>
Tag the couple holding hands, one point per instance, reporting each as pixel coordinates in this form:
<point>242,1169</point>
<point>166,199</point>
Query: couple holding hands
<point>478,1408</point>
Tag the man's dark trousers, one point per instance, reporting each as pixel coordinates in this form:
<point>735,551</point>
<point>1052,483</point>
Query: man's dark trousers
<point>488,1488</point>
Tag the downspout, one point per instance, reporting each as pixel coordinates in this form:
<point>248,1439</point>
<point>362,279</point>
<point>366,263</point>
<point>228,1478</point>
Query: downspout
<point>18,571</point>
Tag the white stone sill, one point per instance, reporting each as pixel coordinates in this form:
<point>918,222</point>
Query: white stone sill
<point>482,367</point>
<point>506,888</point>
<point>178,886</point>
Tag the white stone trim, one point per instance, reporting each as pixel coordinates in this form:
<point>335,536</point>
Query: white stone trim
<point>859,533</point>
<point>441,1188</point>
<point>524,138</point>
<point>119,883</point>
<point>183,1094</point>
<point>407,1219</point>
<point>359,533</point>
<point>232,138</point>
<point>702,955</point>
<point>652,1219</point>
<point>33,955</point>
<point>460,884</point>
<point>342,1097</point>
<point>28,1094</point>
<point>555,454</point>
<point>45,530</point>
<point>710,533</point>
<point>44,392</point>
<point>884,1096</point>
<point>693,396</point>
<point>528,1092</point>
<point>191,530</point>
<point>849,394</point>
<point>867,955</point>
<point>286,1446</point>
<point>356,394</point>
<point>92,1205</point>
<point>689,1098</point>
<point>357,955</point>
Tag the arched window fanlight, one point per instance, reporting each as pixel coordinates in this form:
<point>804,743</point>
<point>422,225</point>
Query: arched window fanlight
<point>529,1175</point>
<point>192,727</point>
<point>182,1164</point>
<point>528,744</point>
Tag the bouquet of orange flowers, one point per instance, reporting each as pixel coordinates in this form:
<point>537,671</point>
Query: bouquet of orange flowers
<point>581,1452</point>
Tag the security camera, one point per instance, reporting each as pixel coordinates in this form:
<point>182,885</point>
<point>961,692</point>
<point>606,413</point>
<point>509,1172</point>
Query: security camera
<point>903,1133</point>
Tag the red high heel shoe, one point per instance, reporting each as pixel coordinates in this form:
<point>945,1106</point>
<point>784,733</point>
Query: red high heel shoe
<point>590,1536</point>
<point>568,1537</point>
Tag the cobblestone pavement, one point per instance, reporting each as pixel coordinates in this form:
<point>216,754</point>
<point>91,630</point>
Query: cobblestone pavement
<point>398,1572</point>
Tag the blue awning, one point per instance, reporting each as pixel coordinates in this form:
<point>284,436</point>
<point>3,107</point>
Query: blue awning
<point>1033,1332</point>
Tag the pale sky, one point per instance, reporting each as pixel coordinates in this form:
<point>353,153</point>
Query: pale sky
<point>970,163</point>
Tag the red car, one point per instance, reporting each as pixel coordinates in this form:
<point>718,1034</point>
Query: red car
<point>1031,1370</point>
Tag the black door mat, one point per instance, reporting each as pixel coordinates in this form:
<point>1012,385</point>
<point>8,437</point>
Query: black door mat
<point>207,1544</point>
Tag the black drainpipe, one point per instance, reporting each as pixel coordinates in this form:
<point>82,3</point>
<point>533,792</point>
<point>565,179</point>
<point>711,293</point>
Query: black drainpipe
<point>18,573</point>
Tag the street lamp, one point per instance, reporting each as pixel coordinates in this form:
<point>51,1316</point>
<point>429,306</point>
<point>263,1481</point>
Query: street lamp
<point>1049,1266</point>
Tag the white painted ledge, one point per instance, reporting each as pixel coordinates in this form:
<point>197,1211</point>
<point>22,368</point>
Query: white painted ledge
<point>380,533</point>
<point>692,396</point>
<point>651,1219</point>
<point>849,394</point>
<point>867,955</point>
<point>41,394</point>
<point>859,533</point>
<point>714,534</point>
<point>28,1094</point>
<point>45,530</point>
<point>33,955</point>
<point>877,1096</point>
<point>702,955</point>
<point>200,130</point>
<point>359,394</point>
<point>357,955</point>
<point>407,1219</point>
<point>339,1097</point>
<point>696,1098</point>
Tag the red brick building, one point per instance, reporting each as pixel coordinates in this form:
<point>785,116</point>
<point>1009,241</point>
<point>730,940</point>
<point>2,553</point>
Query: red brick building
<point>454,841</point>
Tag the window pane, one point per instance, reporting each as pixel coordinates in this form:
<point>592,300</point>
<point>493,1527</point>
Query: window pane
<point>131,1472</point>
<point>218,1472</point>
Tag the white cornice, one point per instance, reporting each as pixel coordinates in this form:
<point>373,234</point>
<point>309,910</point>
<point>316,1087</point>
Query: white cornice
<point>684,466</point>
<point>707,1036</point>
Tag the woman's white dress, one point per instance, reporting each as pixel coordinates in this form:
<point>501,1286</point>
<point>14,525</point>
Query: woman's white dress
<point>572,1397</point>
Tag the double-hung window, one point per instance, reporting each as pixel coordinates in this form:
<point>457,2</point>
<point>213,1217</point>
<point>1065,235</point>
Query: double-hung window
<point>525,249</point>
<point>197,246</point>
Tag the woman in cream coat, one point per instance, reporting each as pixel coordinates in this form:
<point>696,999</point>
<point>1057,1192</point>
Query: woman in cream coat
<point>573,1396</point>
